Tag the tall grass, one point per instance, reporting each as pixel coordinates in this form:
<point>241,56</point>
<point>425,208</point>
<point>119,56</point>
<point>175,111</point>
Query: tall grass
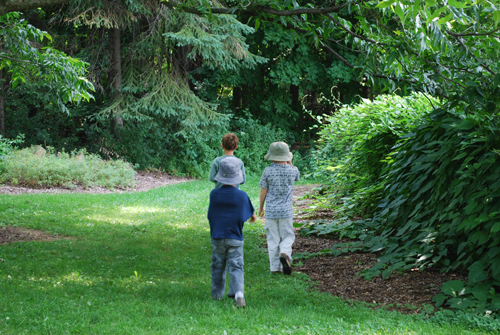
<point>139,263</point>
<point>67,170</point>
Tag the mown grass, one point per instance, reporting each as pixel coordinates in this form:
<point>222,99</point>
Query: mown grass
<point>139,263</point>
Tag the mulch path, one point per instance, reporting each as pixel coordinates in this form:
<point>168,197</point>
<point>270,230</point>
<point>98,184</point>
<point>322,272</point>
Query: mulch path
<point>408,292</point>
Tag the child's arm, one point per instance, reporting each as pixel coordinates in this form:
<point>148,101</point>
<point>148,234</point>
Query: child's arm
<point>213,172</point>
<point>243,172</point>
<point>263,194</point>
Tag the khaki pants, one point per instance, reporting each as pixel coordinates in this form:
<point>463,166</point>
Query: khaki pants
<point>280,238</point>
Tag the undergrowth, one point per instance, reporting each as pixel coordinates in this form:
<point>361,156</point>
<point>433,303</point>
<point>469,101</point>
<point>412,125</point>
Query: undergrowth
<point>22,167</point>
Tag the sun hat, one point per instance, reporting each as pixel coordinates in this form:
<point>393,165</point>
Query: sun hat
<point>229,171</point>
<point>279,152</point>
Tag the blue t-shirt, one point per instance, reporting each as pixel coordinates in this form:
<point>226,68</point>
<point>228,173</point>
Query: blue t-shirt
<point>229,208</point>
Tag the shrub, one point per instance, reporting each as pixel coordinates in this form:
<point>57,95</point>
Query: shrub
<point>354,142</point>
<point>6,147</point>
<point>66,170</point>
<point>441,208</point>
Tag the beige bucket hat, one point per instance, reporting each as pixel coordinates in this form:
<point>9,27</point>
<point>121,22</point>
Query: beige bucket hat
<point>279,151</point>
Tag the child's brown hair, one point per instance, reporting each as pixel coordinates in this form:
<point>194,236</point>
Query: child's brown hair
<point>230,141</point>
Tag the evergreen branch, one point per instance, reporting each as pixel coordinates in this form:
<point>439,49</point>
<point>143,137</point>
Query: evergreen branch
<point>255,10</point>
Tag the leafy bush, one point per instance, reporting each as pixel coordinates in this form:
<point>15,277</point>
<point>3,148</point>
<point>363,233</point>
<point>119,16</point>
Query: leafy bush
<point>6,147</point>
<point>355,141</point>
<point>67,170</point>
<point>465,320</point>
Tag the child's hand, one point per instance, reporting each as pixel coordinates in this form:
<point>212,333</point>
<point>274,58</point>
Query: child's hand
<point>261,212</point>
<point>253,218</point>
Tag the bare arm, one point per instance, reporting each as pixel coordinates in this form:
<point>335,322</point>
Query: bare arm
<point>263,194</point>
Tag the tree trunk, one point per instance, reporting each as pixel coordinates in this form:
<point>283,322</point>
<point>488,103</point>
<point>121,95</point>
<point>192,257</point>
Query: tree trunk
<point>2,105</point>
<point>236,100</point>
<point>294,91</point>
<point>115,75</point>
<point>244,96</point>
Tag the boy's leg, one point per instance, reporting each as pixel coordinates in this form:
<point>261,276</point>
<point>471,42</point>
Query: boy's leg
<point>287,236</point>
<point>218,267</point>
<point>273,244</point>
<point>235,265</point>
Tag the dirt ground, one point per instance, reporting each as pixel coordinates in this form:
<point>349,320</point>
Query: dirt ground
<point>408,292</point>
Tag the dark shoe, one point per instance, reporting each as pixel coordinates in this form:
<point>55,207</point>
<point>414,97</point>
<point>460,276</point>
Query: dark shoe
<point>240,302</point>
<point>276,272</point>
<point>287,265</point>
<point>230,296</point>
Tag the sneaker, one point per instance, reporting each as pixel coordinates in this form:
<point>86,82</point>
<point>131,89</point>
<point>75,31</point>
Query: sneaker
<point>240,302</point>
<point>287,265</point>
<point>239,299</point>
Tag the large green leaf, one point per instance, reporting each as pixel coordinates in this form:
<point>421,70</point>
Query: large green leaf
<point>477,272</point>
<point>452,287</point>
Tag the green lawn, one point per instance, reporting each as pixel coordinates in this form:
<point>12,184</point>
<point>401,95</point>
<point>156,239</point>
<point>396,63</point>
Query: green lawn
<point>139,263</point>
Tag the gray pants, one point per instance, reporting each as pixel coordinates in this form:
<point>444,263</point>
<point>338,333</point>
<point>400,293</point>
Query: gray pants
<point>227,254</point>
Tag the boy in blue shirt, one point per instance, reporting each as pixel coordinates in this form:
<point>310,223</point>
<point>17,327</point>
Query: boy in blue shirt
<point>229,145</point>
<point>229,208</point>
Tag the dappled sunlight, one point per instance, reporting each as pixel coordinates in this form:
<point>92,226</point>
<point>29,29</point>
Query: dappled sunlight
<point>138,215</point>
<point>133,282</point>
<point>146,210</point>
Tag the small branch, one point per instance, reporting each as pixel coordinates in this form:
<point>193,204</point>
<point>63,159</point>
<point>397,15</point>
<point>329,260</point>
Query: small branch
<point>351,32</point>
<point>15,59</point>
<point>338,56</point>
<point>469,52</point>
<point>472,34</point>
<point>430,101</point>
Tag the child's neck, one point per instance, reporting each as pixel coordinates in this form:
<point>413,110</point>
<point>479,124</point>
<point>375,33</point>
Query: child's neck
<point>279,162</point>
<point>228,152</point>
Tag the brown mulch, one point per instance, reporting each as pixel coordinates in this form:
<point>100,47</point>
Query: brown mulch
<point>407,292</point>
<point>9,234</point>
